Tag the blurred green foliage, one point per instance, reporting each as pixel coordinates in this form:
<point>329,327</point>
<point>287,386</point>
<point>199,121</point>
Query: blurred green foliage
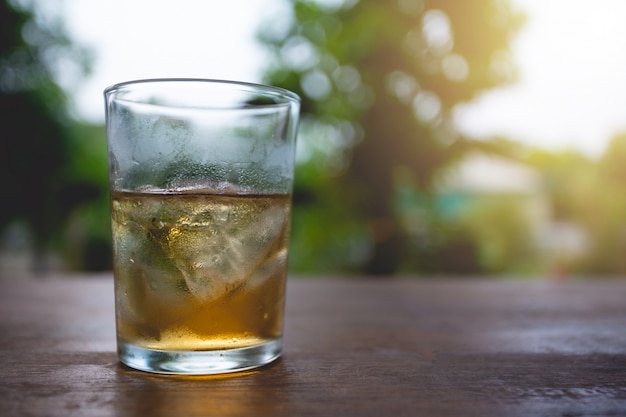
<point>47,163</point>
<point>591,194</point>
<point>379,81</point>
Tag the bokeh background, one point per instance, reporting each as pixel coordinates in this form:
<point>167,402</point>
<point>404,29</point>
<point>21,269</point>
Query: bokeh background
<point>438,137</point>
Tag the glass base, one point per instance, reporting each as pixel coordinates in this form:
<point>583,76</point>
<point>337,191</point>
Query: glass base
<point>199,362</point>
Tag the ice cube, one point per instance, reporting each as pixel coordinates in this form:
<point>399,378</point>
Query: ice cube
<point>271,267</point>
<point>221,256</point>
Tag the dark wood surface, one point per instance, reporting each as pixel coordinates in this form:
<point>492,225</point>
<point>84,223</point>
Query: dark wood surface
<point>406,347</point>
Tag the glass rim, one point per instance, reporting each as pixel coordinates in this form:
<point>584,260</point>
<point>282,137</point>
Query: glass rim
<point>288,95</point>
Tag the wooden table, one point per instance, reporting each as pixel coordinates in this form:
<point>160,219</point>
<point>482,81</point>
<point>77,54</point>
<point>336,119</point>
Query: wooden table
<point>354,347</point>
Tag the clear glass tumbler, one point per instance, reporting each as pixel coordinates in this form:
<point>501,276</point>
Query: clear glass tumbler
<point>201,174</point>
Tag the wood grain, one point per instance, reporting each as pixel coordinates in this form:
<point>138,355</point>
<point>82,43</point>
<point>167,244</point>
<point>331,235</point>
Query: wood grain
<point>353,347</point>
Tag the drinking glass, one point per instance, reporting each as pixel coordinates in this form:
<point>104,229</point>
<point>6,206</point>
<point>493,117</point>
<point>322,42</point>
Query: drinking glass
<point>201,175</point>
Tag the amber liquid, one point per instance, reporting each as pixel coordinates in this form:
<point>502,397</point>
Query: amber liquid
<point>199,271</point>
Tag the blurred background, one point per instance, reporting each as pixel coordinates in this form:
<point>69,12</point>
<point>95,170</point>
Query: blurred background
<point>438,137</point>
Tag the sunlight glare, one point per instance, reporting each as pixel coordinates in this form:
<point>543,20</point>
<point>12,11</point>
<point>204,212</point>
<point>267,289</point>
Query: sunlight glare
<point>571,89</point>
